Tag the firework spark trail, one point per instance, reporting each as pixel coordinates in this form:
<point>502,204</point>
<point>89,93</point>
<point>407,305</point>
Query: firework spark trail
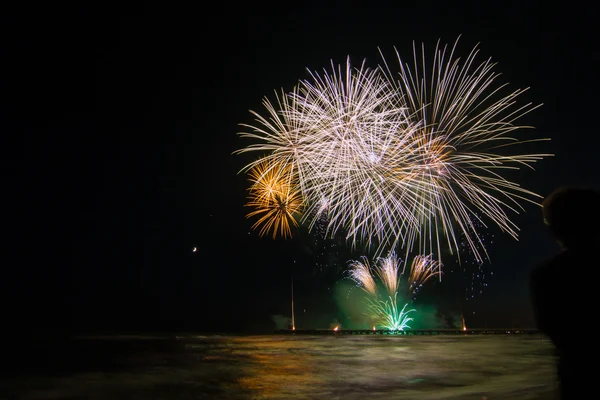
<point>280,138</point>
<point>404,158</point>
<point>274,198</point>
<point>388,315</point>
<point>269,180</point>
<point>466,121</point>
<point>339,132</point>
<point>352,115</point>
<point>360,272</point>
<point>422,269</point>
<point>387,270</point>
<point>384,309</point>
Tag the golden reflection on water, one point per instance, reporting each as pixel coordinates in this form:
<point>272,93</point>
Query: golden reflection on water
<point>422,368</point>
<point>275,375</point>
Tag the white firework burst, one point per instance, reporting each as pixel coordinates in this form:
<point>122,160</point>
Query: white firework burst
<point>401,158</point>
<point>467,127</point>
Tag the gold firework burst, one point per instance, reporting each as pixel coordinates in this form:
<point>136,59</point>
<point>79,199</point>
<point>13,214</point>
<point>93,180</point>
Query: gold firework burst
<point>275,198</point>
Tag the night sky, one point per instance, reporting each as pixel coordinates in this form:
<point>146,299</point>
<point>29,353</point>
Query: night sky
<point>119,126</point>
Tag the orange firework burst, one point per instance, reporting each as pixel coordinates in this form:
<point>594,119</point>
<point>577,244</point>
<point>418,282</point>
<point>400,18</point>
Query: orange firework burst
<point>274,197</point>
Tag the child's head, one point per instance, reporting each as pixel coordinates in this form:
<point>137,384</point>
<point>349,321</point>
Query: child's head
<point>573,215</point>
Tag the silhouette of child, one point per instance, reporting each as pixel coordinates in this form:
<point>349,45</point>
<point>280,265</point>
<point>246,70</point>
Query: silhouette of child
<point>563,287</point>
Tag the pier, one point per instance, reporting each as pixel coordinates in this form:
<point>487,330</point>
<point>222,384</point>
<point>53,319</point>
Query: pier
<point>491,331</point>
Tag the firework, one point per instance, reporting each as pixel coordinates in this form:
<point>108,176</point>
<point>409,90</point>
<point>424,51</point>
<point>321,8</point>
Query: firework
<point>403,158</point>
<point>274,198</point>
<point>352,115</point>
<point>422,269</point>
<point>387,270</point>
<point>388,315</point>
<point>360,272</point>
<point>467,132</point>
<point>384,309</point>
<point>472,274</point>
<point>341,132</point>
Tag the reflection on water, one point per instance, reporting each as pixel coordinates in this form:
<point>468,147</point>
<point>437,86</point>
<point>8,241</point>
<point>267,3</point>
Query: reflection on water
<point>314,367</point>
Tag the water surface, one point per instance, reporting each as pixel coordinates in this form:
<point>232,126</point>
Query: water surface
<point>295,367</point>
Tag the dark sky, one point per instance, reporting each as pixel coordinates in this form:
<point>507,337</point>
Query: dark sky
<point>120,123</point>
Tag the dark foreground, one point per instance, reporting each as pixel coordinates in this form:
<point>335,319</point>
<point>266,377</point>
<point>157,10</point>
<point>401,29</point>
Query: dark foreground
<point>286,367</point>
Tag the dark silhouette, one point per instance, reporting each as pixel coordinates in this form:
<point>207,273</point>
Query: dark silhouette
<point>563,289</point>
